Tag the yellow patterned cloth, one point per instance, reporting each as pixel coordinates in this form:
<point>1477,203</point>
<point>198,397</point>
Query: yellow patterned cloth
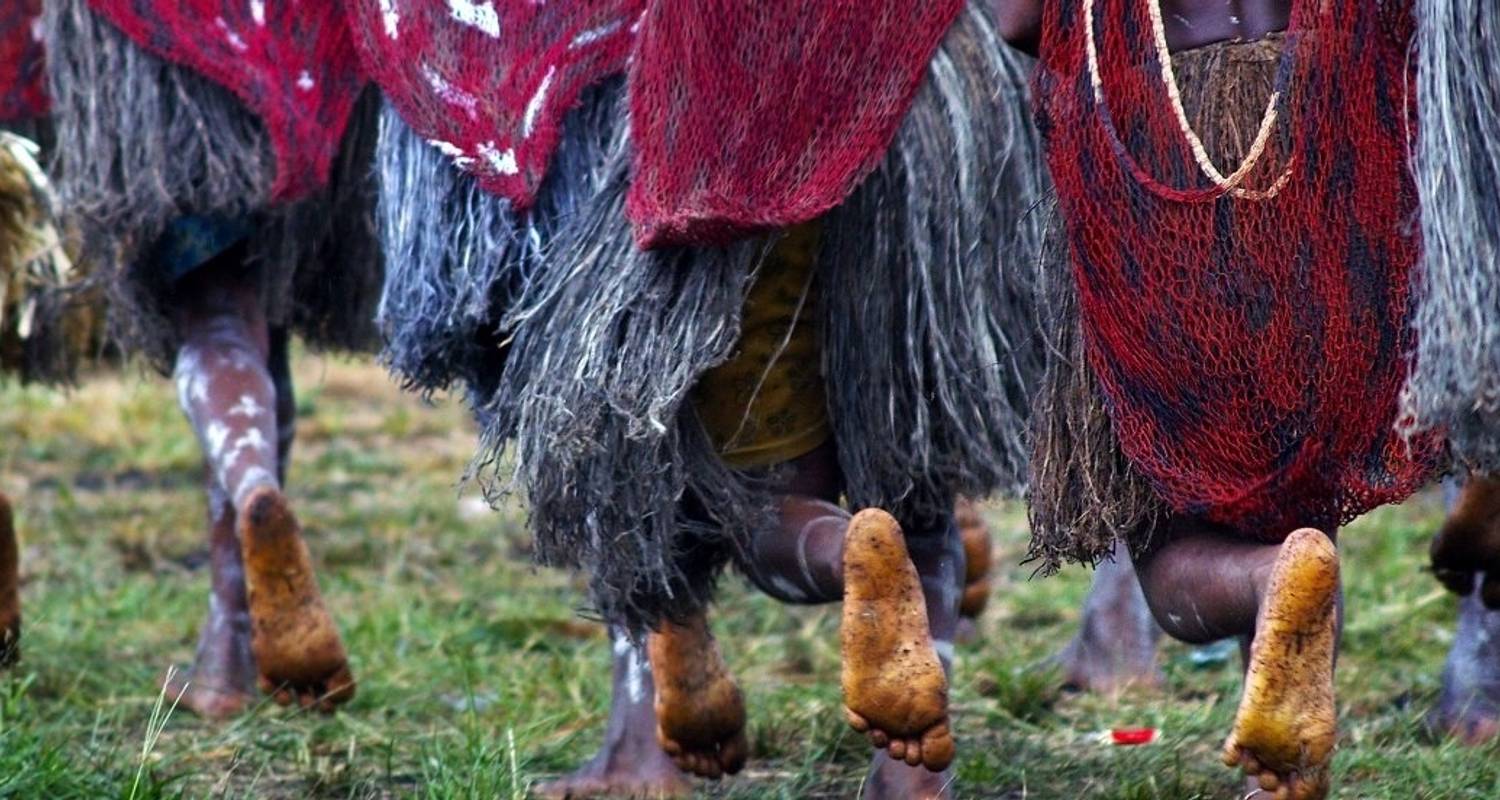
<point>766,405</point>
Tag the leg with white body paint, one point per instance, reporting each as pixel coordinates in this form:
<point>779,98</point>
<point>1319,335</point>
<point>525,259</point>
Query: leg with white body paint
<point>226,386</point>
<point>631,763</point>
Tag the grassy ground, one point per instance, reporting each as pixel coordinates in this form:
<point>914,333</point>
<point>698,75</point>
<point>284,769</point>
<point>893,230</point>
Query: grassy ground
<point>477,679</point>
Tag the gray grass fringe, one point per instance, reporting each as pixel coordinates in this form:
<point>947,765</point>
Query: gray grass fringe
<point>578,350</point>
<point>931,344</point>
<point>140,141</point>
<point>1455,383</point>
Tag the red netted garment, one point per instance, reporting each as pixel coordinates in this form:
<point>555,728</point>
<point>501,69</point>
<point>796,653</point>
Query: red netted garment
<point>745,117</point>
<point>291,62</point>
<point>23,91</point>
<point>762,115</point>
<point>490,82</point>
<point>1249,328</point>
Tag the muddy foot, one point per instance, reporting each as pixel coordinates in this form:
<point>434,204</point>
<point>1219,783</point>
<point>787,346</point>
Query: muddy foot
<point>10,587</point>
<point>1284,732</point>
<point>978,558</point>
<point>894,687</point>
<point>1469,541</point>
<point>1115,648</point>
<point>296,646</point>
<point>700,713</point>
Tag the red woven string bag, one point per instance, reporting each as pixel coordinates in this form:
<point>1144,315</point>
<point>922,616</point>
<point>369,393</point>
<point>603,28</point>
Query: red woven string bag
<point>760,115</point>
<point>1248,323</point>
<point>23,90</point>
<point>291,62</point>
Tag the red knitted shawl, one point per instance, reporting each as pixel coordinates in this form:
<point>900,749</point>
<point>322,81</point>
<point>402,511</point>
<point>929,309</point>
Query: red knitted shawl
<point>291,62</point>
<point>745,116</point>
<point>1251,341</point>
<point>23,91</point>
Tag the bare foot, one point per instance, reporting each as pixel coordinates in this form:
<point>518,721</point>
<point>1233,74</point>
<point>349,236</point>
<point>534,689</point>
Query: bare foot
<point>1284,732</point>
<point>296,646</point>
<point>1469,541</point>
<point>978,558</point>
<point>221,682</point>
<point>894,687</point>
<point>700,713</point>
<point>1115,647</point>
<point>1469,708</point>
<point>10,587</point>
<point>626,766</point>
<point>897,780</point>
<point>630,763</point>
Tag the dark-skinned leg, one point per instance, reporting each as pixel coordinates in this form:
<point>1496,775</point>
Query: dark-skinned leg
<point>226,388</point>
<point>10,587</point>
<point>1115,647</point>
<point>901,592</point>
<point>630,763</point>
<point>1469,707</point>
<point>1468,544</point>
<point>221,683</point>
<point>978,560</point>
<point>1204,584</point>
<point>280,366</point>
<point>700,710</point>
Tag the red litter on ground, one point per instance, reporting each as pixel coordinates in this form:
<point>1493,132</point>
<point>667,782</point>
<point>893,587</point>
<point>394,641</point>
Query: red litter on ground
<point>1132,736</point>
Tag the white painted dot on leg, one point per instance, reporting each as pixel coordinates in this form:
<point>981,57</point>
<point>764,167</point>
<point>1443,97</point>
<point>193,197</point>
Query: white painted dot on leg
<point>635,676</point>
<point>802,564</point>
<point>788,589</point>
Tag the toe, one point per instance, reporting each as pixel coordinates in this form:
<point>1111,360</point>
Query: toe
<point>1231,754</point>
<point>879,739</point>
<point>913,752</point>
<point>1269,780</point>
<point>856,721</point>
<point>937,748</point>
<point>734,753</point>
<point>898,749</point>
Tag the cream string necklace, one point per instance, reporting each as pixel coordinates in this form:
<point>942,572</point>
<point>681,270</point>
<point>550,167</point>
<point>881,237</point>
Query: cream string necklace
<point>1231,183</point>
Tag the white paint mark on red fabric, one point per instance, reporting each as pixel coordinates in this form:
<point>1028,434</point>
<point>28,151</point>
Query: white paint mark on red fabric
<point>391,19</point>
<point>538,99</point>
<point>503,162</point>
<point>235,40</point>
<point>478,15</point>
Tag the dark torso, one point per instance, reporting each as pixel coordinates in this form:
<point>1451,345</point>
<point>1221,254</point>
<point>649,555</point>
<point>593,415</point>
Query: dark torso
<point>1189,23</point>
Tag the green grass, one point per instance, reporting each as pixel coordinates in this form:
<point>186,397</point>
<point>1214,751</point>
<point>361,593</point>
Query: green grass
<point>477,679</point>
